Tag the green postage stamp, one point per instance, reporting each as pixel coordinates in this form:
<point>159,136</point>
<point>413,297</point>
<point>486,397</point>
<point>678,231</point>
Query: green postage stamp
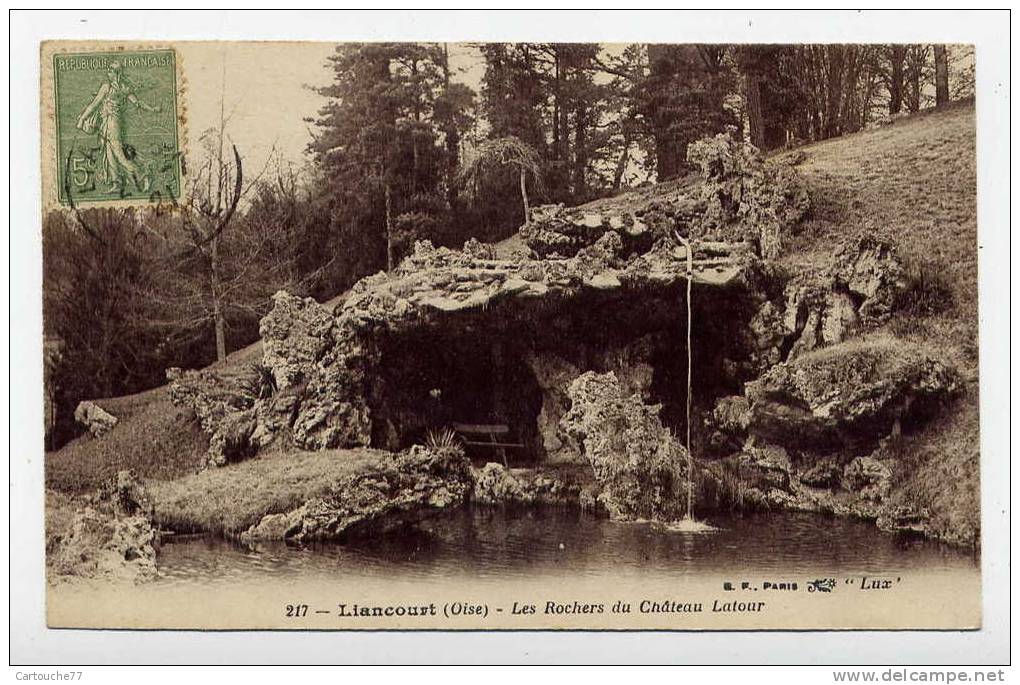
<point>116,121</point>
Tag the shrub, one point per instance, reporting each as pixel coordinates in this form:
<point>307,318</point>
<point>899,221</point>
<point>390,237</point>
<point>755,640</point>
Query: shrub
<point>928,289</point>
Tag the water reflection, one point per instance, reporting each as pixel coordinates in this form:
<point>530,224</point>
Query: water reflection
<point>494,544</point>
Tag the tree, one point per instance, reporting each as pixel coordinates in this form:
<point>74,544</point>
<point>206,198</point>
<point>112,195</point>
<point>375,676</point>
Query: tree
<point>92,284</point>
<point>897,55</point>
<point>941,76</point>
<point>770,94</point>
<point>574,106</point>
<point>509,151</point>
<point>836,88</point>
<point>213,218</point>
<point>384,144</point>
<point>683,98</point>
<point>915,75</point>
<point>627,70</point>
<point>512,93</point>
<point>453,114</point>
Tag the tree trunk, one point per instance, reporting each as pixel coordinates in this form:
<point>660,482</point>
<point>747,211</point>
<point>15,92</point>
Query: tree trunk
<point>916,58</point>
<point>621,164</point>
<point>218,324</point>
<point>668,150</point>
<point>834,90</point>
<point>524,196</point>
<point>580,153</point>
<point>941,77</point>
<point>557,96</point>
<point>755,120</point>
<point>899,54</point>
<point>452,138</point>
<point>221,338</point>
<point>389,230</point>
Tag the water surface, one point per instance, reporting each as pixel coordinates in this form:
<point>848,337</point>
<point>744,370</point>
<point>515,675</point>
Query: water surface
<point>493,545</point>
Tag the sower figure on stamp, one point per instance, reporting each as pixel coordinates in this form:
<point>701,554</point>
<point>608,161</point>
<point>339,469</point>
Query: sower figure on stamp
<point>108,107</point>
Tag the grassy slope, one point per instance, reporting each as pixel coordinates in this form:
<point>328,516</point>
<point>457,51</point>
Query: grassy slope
<point>233,498</point>
<point>914,182</point>
<point>153,437</point>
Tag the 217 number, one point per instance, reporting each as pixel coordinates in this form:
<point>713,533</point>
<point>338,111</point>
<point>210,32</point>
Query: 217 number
<point>296,610</point>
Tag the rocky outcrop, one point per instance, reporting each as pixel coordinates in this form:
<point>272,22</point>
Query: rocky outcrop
<point>851,393</point>
<point>495,484</point>
<point>323,364</point>
<point>631,364</point>
<point>296,334</point>
<point>224,409</point>
<point>902,519</point>
<point>755,477</point>
<point>862,283</point>
<point>826,473</point>
<point>640,467</point>
<point>869,269</point>
<point>400,490</point>
<point>741,196</point>
<point>815,433</point>
<point>729,422</point>
<point>555,231</point>
<point>869,477</point>
<point>108,536</point>
<point>307,347</point>
<point>816,317</point>
<point>554,376</point>
<point>94,418</point>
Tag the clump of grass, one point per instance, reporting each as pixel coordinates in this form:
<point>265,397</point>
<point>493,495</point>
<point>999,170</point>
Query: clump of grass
<point>259,383</point>
<point>928,291</point>
<point>721,488</point>
<point>441,439</point>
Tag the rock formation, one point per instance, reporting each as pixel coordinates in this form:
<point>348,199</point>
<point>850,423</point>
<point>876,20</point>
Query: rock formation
<point>640,466</point>
<point>108,536</point>
<point>741,197</point>
<point>402,489</point>
<point>324,364</point>
<point>94,418</point>
<point>496,484</point>
<point>870,271</point>
<point>333,378</point>
<point>855,392</point>
<point>856,291</point>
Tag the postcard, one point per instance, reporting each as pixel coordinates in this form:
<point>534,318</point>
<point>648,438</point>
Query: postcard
<point>510,336</point>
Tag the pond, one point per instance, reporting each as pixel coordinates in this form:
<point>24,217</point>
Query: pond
<point>491,545</point>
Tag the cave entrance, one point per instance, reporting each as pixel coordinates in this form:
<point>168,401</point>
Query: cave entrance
<point>434,379</point>
<point>510,366</point>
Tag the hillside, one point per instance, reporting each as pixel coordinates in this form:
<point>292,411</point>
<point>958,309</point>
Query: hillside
<point>911,182</point>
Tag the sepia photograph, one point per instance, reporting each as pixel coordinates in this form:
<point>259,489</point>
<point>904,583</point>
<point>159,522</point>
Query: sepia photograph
<point>505,335</point>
